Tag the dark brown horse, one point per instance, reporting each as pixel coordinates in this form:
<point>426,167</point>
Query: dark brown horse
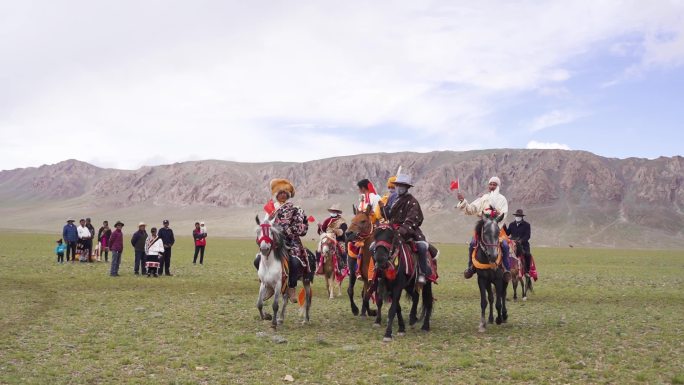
<point>360,230</point>
<point>518,269</point>
<point>487,262</point>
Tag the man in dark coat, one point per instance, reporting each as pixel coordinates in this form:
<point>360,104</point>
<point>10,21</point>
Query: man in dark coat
<point>138,241</point>
<point>166,235</point>
<point>522,231</point>
<point>407,214</point>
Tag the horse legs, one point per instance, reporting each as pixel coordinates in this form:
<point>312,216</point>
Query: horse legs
<point>307,306</point>
<point>504,311</point>
<point>482,283</point>
<point>286,299</point>
<point>396,295</point>
<point>260,301</point>
<point>400,319</point>
<point>365,306</point>
<point>500,292</point>
<point>276,297</point>
<point>350,292</point>
<point>329,286</point>
<point>427,306</point>
<point>415,298</point>
<point>490,296</point>
<point>515,288</point>
<point>379,299</point>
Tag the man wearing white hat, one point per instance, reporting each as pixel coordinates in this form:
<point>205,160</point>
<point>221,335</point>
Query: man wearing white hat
<point>481,206</point>
<point>138,241</point>
<point>408,216</point>
<point>336,226</point>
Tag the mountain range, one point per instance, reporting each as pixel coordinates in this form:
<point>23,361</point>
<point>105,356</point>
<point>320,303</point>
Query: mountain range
<point>571,198</point>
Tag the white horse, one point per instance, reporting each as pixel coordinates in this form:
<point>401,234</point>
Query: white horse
<point>273,252</point>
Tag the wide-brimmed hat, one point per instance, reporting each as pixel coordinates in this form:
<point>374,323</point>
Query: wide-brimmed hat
<point>404,179</point>
<point>519,213</point>
<point>118,223</point>
<point>70,219</point>
<point>278,185</point>
<point>335,207</point>
<point>142,224</point>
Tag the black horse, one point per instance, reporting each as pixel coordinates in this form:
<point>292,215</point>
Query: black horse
<point>392,279</point>
<point>487,264</point>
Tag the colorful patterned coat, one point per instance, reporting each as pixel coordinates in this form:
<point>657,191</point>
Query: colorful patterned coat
<point>295,225</point>
<point>407,214</point>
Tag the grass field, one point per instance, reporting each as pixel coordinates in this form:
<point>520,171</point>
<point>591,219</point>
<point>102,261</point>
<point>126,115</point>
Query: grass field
<point>597,316</point>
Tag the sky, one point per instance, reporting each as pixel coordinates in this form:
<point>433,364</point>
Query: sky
<point>125,84</point>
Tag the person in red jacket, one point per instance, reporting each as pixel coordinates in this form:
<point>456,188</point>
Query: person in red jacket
<point>116,247</point>
<point>200,238</point>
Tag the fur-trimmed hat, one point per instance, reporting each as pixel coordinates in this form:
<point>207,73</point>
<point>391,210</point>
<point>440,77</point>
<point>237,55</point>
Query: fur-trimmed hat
<point>390,181</point>
<point>278,185</point>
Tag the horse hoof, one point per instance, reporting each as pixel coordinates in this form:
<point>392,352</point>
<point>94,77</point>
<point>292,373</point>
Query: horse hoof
<point>387,339</point>
<point>372,313</point>
<point>498,320</point>
<point>355,310</point>
<point>515,299</point>
<point>363,316</point>
<point>425,329</point>
<point>376,325</point>
<point>481,329</point>
<point>268,317</point>
<point>524,299</point>
<point>401,334</point>
<point>491,321</point>
<point>273,326</point>
<point>280,322</point>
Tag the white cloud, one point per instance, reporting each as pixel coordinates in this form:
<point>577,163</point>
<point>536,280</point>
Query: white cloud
<point>533,144</point>
<point>554,118</point>
<point>258,81</point>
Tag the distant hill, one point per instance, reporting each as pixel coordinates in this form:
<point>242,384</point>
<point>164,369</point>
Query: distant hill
<point>571,197</point>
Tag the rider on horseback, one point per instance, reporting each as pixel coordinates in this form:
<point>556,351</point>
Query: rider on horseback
<point>387,200</point>
<point>407,215</point>
<point>369,197</point>
<point>336,227</point>
<point>520,229</point>
<point>493,201</point>
<point>293,222</point>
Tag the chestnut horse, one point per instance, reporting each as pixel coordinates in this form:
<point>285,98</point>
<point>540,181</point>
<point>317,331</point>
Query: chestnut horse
<point>361,230</point>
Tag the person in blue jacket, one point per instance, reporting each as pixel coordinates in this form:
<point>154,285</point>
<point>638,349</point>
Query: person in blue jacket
<point>59,250</point>
<point>70,236</point>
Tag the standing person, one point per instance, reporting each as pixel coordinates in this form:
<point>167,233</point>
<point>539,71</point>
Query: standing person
<point>521,230</point>
<point>70,237</point>
<point>59,250</point>
<point>200,238</point>
<point>154,251</point>
<point>85,237</point>
<point>103,237</point>
<point>116,246</point>
<point>166,234</point>
<point>92,251</point>
<point>492,202</point>
<point>138,241</point>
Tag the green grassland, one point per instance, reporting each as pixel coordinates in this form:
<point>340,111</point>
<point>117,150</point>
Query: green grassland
<point>597,316</point>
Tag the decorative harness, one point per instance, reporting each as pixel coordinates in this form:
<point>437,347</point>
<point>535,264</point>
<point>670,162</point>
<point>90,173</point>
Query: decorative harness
<point>482,246</point>
<point>265,237</point>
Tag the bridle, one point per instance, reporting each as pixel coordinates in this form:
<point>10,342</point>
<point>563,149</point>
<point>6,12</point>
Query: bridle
<point>387,245</point>
<point>483,245</point>
<point>265,237</point>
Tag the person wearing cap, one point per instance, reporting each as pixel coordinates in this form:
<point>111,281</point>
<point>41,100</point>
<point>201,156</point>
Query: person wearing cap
<point>387,200</point>
<point>70,237</point>
<point>407,215</point>
<point>521,230</point>
<point>166,235</point>
<point>336,226</point>
<point>492,202</point>
<point>59,250</point>
<point>85,239</point>
<point>294,224</point>
<point>116,246</point>
<point>200,238</point>
<point>138,242</point>
<point>368,197</point>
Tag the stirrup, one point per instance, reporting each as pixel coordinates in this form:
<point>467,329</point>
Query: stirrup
<point>421,279</point>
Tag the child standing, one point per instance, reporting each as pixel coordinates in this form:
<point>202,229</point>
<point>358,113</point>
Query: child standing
<point>59,250</point>
<point>154,248</point>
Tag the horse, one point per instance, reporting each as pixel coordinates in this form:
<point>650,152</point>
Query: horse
<point>271,242</point>
<point>361,229</point>
<point>518,269</point>
<point>486,259</point>
<point>273,251</point>
<point>393,278</point>
<point>329,256</point>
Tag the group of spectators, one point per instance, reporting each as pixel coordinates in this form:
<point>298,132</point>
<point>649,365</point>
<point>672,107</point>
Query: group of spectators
<point>152,251</point>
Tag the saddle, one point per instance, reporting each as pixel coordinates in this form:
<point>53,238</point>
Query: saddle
<point>408,251</point>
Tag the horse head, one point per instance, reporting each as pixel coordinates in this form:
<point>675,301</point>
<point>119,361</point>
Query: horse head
<point>487,232</point>
<point>384,237</point>
<point>268,238</point>
<point>361,226</point>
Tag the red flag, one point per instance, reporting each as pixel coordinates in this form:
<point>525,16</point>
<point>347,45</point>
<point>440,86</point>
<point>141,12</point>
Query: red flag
<point>454,184</point>
<point>311,219</point>
<point>269,207</point>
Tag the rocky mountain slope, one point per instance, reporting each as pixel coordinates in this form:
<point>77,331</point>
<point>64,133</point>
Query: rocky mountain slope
<point>572,197</point>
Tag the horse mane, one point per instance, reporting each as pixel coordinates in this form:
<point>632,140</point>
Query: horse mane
<point>478,227</point>
<point>280,249</point>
